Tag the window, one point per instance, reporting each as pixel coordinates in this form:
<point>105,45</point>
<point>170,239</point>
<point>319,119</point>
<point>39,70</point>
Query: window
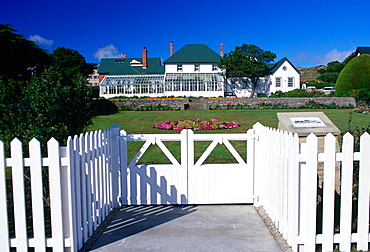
<point>290,82</point>
<point>196,67</point>
<point>278,81</point>
<point>185,86</point>
<point>179,68</point>
<point>214,67</point>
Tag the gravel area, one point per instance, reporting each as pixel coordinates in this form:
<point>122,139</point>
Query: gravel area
<point>274,231</point>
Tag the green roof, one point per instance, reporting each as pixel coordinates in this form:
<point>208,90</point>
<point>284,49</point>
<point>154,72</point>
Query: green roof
<point>194,53</point>
<point>122,66</point>
<point>274,67</point>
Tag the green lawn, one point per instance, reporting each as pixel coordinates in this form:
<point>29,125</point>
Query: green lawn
<point>142,122</point>
<point>135,122</point>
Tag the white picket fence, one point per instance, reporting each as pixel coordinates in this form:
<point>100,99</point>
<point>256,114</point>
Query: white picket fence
<point>80,185</point>
<point>286,186</point>
<point>86,184</point>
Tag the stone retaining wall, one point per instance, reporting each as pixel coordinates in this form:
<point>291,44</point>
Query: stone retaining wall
<point>179,102</point>
<point>294,102</point>
<point>149,102</point>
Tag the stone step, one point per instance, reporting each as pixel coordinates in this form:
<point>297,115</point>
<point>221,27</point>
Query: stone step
<point>195,104</point>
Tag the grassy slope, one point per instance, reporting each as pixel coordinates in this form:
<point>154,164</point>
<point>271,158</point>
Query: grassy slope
<point>309,73</point>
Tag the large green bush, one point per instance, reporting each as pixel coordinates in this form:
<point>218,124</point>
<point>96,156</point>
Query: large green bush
<point>355,75</point>
<point>44,108</point>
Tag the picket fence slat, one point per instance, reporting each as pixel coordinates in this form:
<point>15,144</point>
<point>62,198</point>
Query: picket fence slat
<point>329,193</point>
<point>346,195</point>
<point>4,237</point>
<point>37,194</point>
<point>363,194</point>
<point>19,195</point>
<point>55,195</point>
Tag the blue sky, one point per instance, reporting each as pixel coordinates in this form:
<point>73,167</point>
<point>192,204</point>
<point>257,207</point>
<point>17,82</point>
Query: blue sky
<point>308,33</point>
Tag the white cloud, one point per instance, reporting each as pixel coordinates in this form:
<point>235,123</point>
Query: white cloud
<point>109,51</point>
<point>333,55</point>
<point>40,40</point>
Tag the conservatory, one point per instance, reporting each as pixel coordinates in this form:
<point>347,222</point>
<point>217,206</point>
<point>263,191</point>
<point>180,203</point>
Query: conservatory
<point>132,85</point>
<point>194,84</point>
<point>170,84</point>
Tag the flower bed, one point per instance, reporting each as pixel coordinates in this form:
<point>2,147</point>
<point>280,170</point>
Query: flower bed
<point>196,125</point>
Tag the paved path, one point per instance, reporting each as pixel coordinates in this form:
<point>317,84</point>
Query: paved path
<point>186,228</point>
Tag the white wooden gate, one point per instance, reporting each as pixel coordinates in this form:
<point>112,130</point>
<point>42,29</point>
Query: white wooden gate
<point>189,181</point>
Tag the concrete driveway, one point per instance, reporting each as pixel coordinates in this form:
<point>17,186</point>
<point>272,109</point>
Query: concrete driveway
<point>186,228</point>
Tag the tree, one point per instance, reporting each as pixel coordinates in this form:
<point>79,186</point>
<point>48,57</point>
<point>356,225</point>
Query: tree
<point>333,69</point>
<point>247,61</point>
<point>328,77</point>
<point>20,57</point>
<point>49,101</point>
<point>70,63</point>
<point>44,108</point>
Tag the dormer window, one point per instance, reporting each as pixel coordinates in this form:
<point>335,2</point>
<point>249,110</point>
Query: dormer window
<point>135,62</point>
<point>196,67</point>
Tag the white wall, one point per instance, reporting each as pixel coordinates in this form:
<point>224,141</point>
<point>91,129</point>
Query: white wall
<point>242,86</point>
<point>189,68</point>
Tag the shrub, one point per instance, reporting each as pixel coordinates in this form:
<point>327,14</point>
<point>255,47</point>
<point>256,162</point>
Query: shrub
<point>328,77</point>
<point>355,75</point>
<point>104,107</point>
<point>259,95</point>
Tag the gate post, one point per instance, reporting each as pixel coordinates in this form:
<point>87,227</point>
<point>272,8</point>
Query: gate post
<point>123,167</point>
<point>185,162</point>
<point>114,164</point>
<point>258,164</point>
<point>251,156</point>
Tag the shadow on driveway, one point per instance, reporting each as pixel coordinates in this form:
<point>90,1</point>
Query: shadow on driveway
<point>131,220</point>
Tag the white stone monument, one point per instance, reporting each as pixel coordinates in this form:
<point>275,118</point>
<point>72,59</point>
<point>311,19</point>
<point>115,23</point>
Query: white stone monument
<point>304,123</point>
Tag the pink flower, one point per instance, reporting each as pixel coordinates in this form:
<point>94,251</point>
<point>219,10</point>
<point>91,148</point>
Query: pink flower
<point>179,128</point>
<point>197,124</point>
<point>207,127</point>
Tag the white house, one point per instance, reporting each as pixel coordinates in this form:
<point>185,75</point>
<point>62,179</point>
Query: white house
<point>283,76</point>
<point>192,72</point>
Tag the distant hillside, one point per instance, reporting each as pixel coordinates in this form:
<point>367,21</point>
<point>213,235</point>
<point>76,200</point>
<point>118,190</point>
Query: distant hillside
<point>309,73</point>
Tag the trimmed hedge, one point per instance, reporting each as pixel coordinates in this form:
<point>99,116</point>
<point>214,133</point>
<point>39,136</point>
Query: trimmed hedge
<point>355,75</point>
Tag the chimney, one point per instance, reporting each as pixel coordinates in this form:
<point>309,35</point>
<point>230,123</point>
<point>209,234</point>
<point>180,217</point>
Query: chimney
<point>145,53</point>
<point>124,56</point>
<point>171,48</point>
<point>221,50</point>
